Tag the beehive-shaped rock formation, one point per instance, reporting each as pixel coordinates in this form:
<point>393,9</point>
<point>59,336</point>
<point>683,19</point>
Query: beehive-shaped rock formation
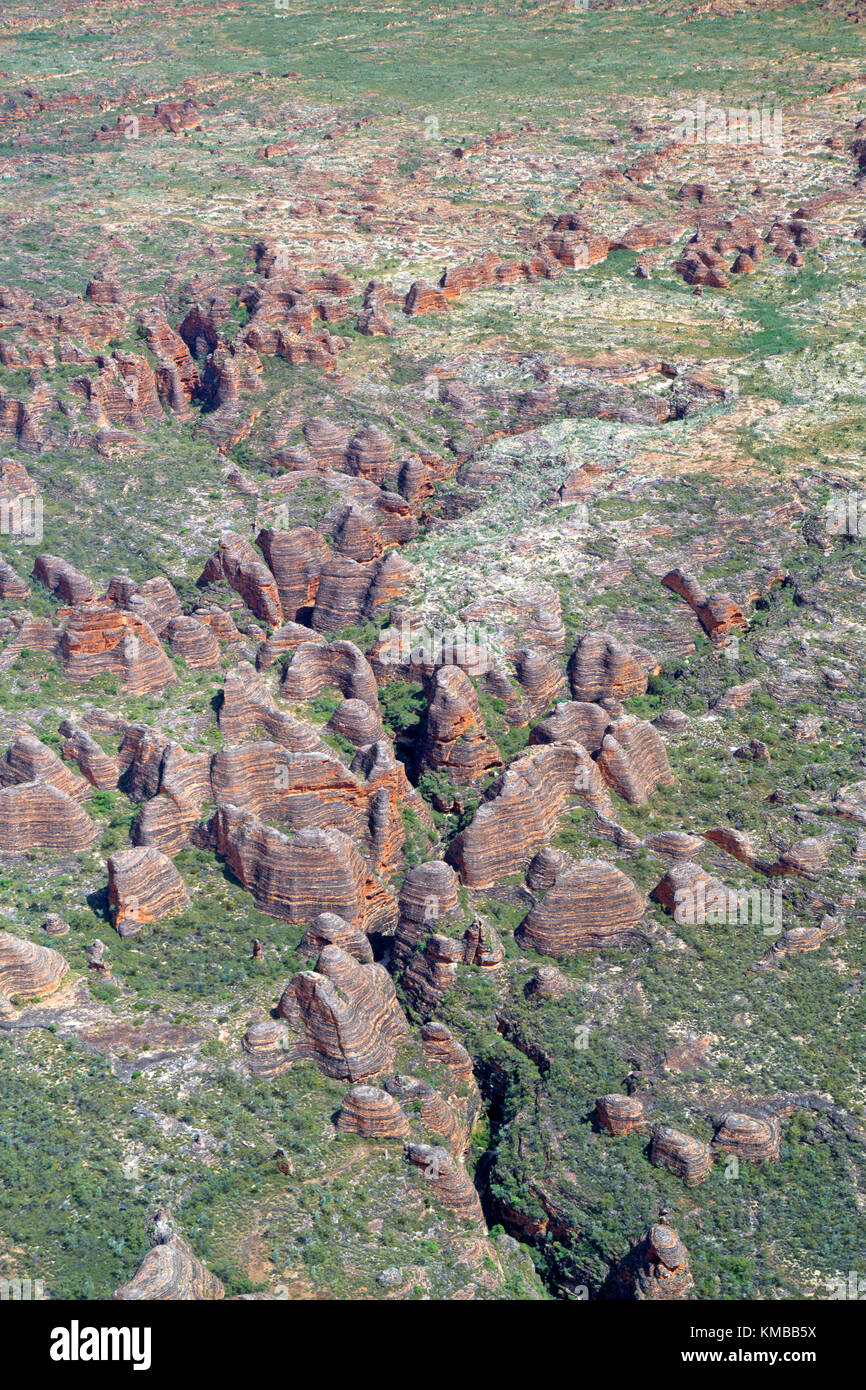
<point>318,666</point>
<point>449,1181</point>
<point>330,930</point>
<point>263,1045</point>
<point>590,904</point>
<point>754,1137</point>
<point>296,558</point>
<point>657,1268</point>
<point>577,720</point>
<point>373,1114</point>
<point>99,639</point>
<point>143,886</point>
<point>28,971</point>
<point>344,1016</point>
<point>36,815</point>
<point>600,667</point>
<point>64,580</point>
<point>241,566</point>
<point>454,739</point>
<point>248,709</point>
<point>440,1045</point>
<point>522,812</point>
<point>101,769</point>
<point>683,1155</point>
<point>633,760</point>
<point>620,1114</point>
<point>293,877</point>
<point>28,760</point>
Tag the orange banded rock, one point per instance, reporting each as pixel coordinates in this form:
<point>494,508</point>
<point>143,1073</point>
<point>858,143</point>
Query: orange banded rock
<point>448,1179</point>
<point>717,615</point>
<point>29,971</point>
<point>632,759</point>
<point>454,738</point>
<point>266,1055</point>
<point>296,558</point>
<point>372,1114</point>
<point>317,666</point>
<point>754,1137</point>
<point>36,815</point>
<point>440,1045</point>
<point>248,706</point>
<point>428,894</point>
<point>523,809</point>
<point>100,769</point>
<point>683,1155</point>
<point>64,580</point>
<point>620,1114</point>
<point>28,760</point>
<point>591,904</point>
<point>601,667</point>
<point>170,1272</point>
<point>143,886</point>
<point>242,567</point>
<point>657,1267</point>
<point>330,930</point>
<point>344,1016</point>
<point>195,642</point>
<point>99,639</point>
<point>297,876</point>
<point>577,720</point>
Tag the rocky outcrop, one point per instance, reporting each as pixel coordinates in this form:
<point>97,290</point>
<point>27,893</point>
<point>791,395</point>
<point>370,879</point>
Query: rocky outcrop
<point>170,1271</point>
<point>717,615</point>
<point>576,720</point>
<point>632,759</point>
<point>248,709</point>
<point>344,1016</point>
<point>242,567</point>
<point>424,298</point>
<point>440,1045</point>
<point>689,893</point>
<point>601,668</point>
<point>350,591</point>
<point>166,820</point>
<point>101,640</point>
<point>806,858</point>
<point>522,811</point>
<point>64,580</point>
<point>28,760</point>
<point>28,971</point>
<point>754,1137</point>
<point>318,666</point>
<point>591,904</point>
<point>449,1181</point>
<point>372,1114</point>
<point>684,1156</point>
<point>543,868</point>
<point>656,1269</point>
<point>195,642</point>
<point>620,1114</point>
<point>547,983</point>
<point>433,970</point>
<point>330,930</point>
<point>13,588</point>
<point>297,876</point>
<point>264,1049</point>
<point>143,886</point>
<point>428,895</point>
<point>100,768</point>
<point>675,844</point>
<point>454,738</point>
<point>35,815</point>
<point>296,558</point>
<point>357,722</point>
